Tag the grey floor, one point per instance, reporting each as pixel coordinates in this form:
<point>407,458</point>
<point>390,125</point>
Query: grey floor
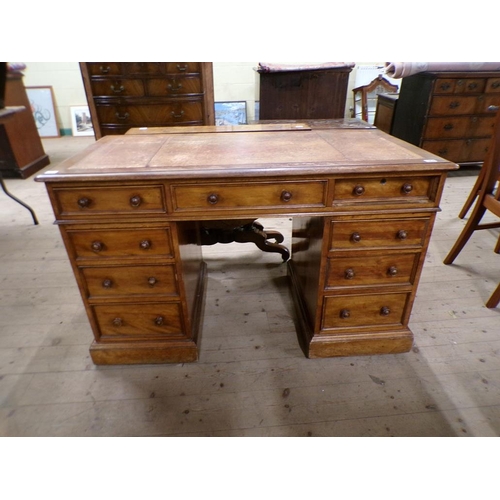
<point>252,379</point>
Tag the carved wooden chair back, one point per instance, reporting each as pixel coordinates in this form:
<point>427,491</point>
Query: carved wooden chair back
<point>361,95</point>
<point>488,200</point>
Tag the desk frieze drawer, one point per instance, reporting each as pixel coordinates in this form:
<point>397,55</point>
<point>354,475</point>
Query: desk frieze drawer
<point>385,189</point>
<point>258,195</point>
<point>104,68</point>
<point>115,200</point>
<point>121,243</point>
<point>365,234</point>
<point>138,320</point>
<point>126,281</point>
<point>345,312</point>
<point>380,269</point>
<point>117,88</point>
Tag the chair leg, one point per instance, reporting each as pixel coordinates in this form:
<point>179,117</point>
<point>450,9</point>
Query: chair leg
<point>494,299</point>
<point>473,195</point>
<point>466,233</point>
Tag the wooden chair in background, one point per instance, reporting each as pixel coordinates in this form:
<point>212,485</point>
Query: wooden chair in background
<point>488,200</point>
<point>363,93</point>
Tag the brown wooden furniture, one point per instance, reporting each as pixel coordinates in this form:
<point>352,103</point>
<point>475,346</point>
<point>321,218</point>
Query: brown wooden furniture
<point>305,94</point>
<point>362,94</point>
<point>363,205</point>
<point>122,95</point>
<point>447,113</point>
<point>21,149</point>
<point>7,114</point>
<point>488,200</point>
<point>385,111</point>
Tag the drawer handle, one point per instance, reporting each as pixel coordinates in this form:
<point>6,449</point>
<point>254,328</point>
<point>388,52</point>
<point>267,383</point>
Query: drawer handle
<point>117,322</point>
<point>106,69</point>
<point>358,190</point>
<point>117,90</point>
<point>178,116</point>
<point>152,281</point>
<point>84,202</point>
<point>286,196</point>
<point>493,108</point>
<point>345,313</point>
<point>355,237</point>
<point>174,87</point>
<point>159,320</point>
<point>443,151</point>
<point>392,271</point>
<point>402,234</point>
<point>107,283</point>
<point>448,126</point>
<point>145,244</point>
<point>472,86</point>
<point>454,104</point>
<point>444,86</point>
<point>385,311</point>
<point>349,274</point>
<point>97,246</point>
<point>122,117</point>
<point>213,199</point>
<point>495,85</point>
<point>135,201</point>
<point>182,68</point>
<point>407,188</point>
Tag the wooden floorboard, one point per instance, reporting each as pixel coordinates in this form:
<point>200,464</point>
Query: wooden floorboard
<point>252,379</point>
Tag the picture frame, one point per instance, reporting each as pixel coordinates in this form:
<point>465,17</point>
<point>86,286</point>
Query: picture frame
<point>41,101</point>
<point>81,121</point>
<point>231,113</point>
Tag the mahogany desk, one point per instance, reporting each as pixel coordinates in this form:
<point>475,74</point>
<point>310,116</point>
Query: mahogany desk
<point>363,205</point>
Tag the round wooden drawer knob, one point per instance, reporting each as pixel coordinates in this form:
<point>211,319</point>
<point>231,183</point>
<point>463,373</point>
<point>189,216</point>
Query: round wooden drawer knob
<point>349,274</point>
<point>107,283</point>
<point>84,202</point>
<point>385,311</point>
<point>213,199</point>
<point>355,237</point>
<point>97,246</point>
<point>117,322</point>
<point>407,188</point>
<point>286,196</point>
<point>145,244</point>
<point>392,271</point>
<point>159,320</point>
<point>402,234</point>
<point>135,201</point>
<point>358,190</point>
<point>345,313</point>
<point>152,281</point>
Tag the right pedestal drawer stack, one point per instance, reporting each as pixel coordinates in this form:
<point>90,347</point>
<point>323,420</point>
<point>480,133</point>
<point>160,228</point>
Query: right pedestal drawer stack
<point>448,113</point>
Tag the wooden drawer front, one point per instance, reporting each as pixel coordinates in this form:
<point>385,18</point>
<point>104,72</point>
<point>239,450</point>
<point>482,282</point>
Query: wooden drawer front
<point>392,269</point>
<point>457,127</point>
<point>459,150</point>
<point>389,189</point>
<point>117,88</point>
<point>151,114</point>
<point>139,320</point>
<point>358,311</point>
<point>143,68</point>
<point>363,234</point>
<point>109,200</point>
<point>123,281</point>
<point>171,86</point>
<point>459,86</point>
<point>259,195</point>
<point>118,243</point>
<point>182,67</point>
<point>463,105</point>
<point>104,68</point>
<point>493,85</point>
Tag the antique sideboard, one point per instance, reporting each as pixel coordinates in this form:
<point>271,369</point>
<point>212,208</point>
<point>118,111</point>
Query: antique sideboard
<point>363,204</point>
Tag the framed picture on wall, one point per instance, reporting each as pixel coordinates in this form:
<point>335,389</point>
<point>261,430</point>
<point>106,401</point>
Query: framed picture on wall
<point>41,100</point>
<point>231,113</point>
<point>81,122</point>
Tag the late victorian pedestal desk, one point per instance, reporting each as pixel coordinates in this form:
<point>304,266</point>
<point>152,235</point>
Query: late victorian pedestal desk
<point>363,204</point>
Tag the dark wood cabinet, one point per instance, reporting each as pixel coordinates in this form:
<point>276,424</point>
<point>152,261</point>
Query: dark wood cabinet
<point>123,95</point>
<point>448,113</point>
<point>385,112</point>
<point>21,149</point>
<point>307,94</point>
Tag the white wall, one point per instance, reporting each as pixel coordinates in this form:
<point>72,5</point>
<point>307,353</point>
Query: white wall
<point>233,81</point>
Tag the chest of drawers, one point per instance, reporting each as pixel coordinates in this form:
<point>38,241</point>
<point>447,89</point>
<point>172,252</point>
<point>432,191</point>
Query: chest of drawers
<point>448,113</point>
<point>131,208</point>
<point>122,95</point>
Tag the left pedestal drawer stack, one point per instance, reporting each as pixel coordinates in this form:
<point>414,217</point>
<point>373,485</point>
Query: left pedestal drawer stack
<point>140,296</point>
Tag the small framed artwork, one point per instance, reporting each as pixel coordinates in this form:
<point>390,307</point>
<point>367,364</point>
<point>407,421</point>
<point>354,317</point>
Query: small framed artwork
<point>231,113</point>
<point>41,100</point>
<point>81,122</point>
